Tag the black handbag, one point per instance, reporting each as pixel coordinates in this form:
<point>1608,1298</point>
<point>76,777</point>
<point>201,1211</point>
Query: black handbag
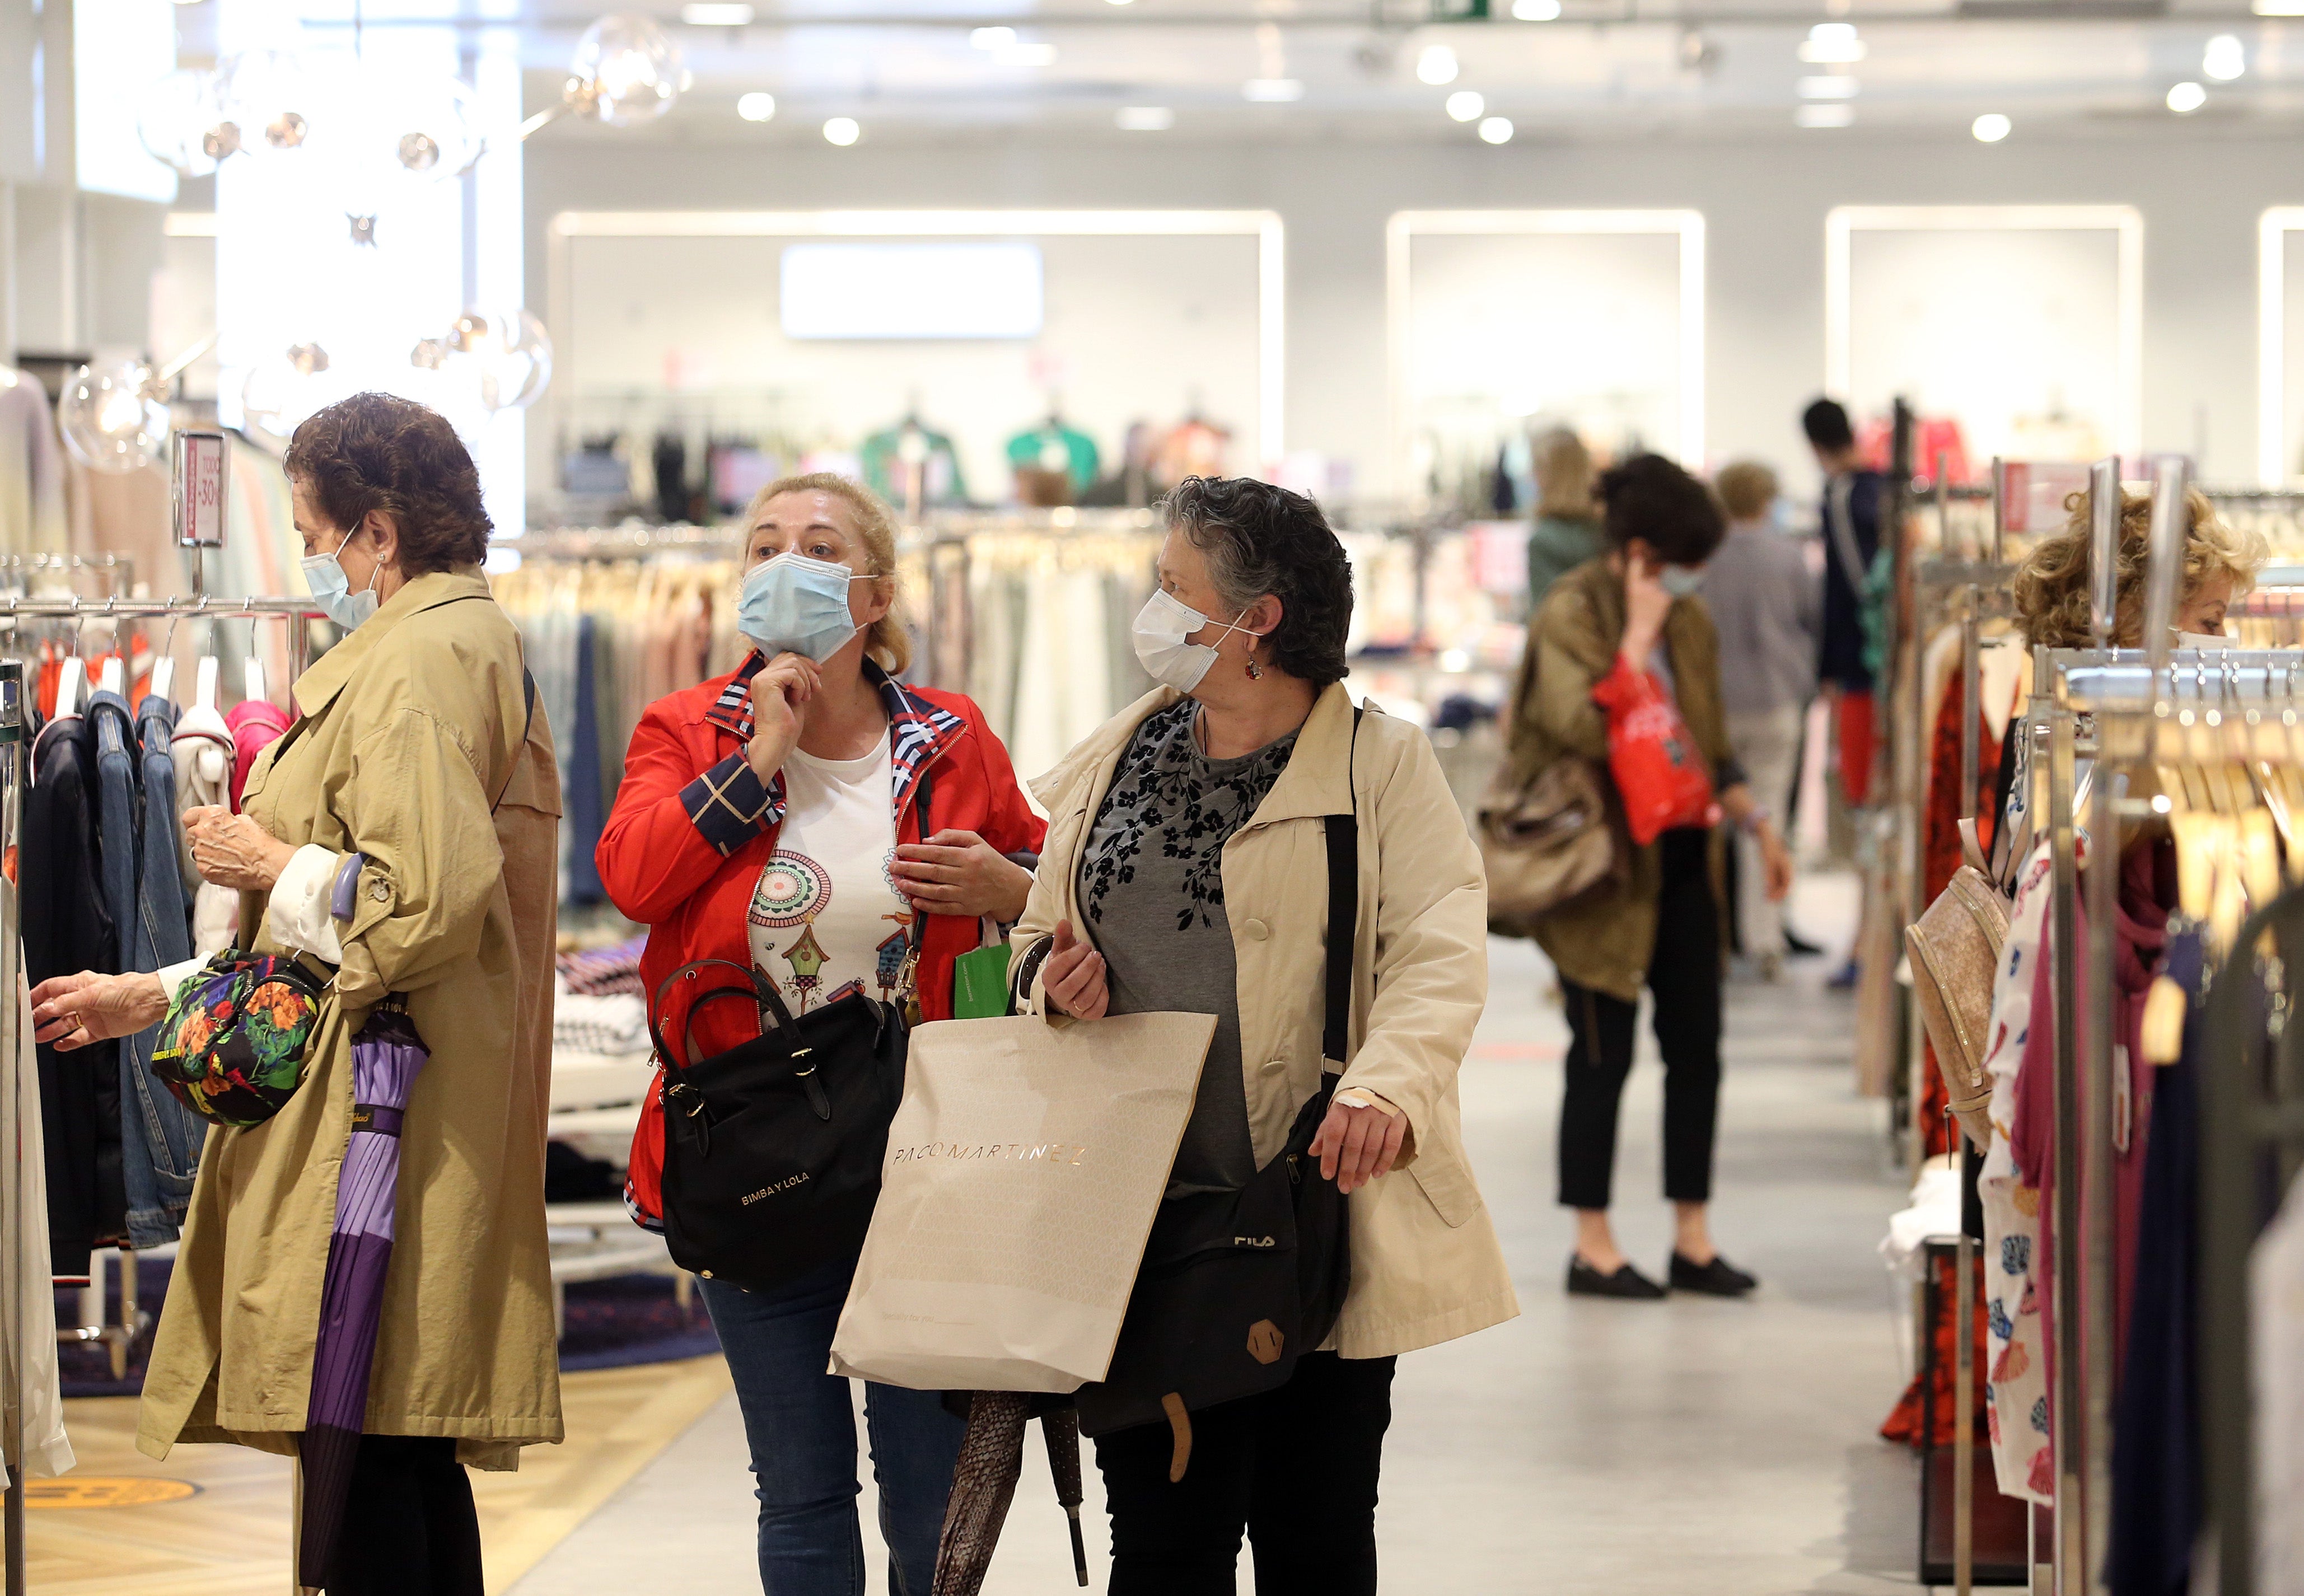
<point>772,1150</point>
<point>1236,1285</point>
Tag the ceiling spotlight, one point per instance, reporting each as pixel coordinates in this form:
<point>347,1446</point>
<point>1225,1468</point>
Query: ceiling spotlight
<point>1832,44</point>
<point>717,13</point>
<point>1828,88</point>
<point>992,39</point>
<point>1273,91</point>
<point>2278,8</point>
<point>841,131</point>
<point>1548,11</point>
<point>2187,97</point>
<point>1990,128</point>
<point>2226,58</point>
<point>1437,65</point>
<point>1496,130</point>
<point>1144,119</point>
<point>756,106</point>
<point>1466,104</point>
<point>1025,53</point>
<point>1824,116</point>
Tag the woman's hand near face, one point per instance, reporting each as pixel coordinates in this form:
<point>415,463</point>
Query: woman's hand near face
<point>780,696</point>
<point>232,850</point>
<point>1645,603</point>
<point>959,872</point>
<point>1072,980</point>
<point>75,1011</point>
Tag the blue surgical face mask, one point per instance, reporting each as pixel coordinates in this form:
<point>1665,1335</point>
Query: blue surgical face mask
<point>793,604</point>
<point>323,574</point>
<point>1682,581</point>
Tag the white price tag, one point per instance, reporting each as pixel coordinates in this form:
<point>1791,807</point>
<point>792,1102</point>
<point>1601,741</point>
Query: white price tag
<point>200,464</point>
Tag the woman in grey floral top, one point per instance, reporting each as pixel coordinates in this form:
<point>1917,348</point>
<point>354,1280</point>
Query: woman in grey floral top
<point>1186,868</point>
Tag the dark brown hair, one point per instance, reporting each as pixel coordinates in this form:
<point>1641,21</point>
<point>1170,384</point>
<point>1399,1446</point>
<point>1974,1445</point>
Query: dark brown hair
<point>380,451</point>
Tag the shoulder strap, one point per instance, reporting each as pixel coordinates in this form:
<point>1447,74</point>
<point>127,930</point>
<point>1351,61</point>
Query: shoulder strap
<point>1343,839</point>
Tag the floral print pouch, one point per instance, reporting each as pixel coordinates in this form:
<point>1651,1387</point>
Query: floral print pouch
<point>233,1045</point>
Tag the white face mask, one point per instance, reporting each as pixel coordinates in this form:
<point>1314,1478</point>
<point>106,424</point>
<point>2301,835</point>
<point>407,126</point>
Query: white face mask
<point>2202,640</point>
<point>1159,631</point>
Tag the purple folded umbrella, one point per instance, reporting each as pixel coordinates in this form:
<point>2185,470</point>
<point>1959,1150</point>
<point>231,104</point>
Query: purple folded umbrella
<point>386,1055</point>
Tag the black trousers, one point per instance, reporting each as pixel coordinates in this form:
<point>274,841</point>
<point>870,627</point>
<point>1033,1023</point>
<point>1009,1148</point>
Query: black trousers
<point>1297,1467</point>
<point>409,1529</point>
<point>1684,979</point>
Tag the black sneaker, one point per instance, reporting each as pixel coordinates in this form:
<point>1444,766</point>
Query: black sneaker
<point>1718,1277</point>
<point>1799,946</point>
<point>1627,1283</point>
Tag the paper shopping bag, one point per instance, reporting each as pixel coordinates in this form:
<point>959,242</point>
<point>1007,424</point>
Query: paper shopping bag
<point>1024,1168</point>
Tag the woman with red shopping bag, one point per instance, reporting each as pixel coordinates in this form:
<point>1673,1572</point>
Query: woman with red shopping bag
<point>1623,672</point>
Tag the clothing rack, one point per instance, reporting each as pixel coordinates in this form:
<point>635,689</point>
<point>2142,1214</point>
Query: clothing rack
<point>2099,714</point>
<point>15,781</point>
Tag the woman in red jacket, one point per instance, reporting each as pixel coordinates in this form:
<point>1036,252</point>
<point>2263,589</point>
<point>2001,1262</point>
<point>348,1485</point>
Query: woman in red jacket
<point>772,817</point>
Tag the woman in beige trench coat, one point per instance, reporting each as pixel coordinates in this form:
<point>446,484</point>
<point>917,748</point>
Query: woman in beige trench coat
<point>408,752</point>
<point>1185,868</point>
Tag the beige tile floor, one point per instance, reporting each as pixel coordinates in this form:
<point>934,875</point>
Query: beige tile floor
<point>1588,1448</point>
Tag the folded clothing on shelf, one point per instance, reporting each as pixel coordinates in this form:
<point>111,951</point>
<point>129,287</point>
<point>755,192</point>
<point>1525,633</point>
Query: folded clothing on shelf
<point>600,971</point>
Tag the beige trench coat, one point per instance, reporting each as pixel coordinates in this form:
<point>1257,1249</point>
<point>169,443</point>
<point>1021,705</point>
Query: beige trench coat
<point>1426,1264</point>
<point>410,727</point>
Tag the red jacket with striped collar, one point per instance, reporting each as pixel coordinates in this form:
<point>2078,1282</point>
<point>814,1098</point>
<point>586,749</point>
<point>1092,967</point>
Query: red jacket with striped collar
<point>693,827</point>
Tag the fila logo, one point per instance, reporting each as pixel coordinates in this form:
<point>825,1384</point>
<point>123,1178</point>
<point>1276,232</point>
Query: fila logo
<point>1255,1241</point>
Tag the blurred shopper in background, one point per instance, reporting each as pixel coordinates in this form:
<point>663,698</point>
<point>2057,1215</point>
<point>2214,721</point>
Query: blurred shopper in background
<point>1567,531</point>
<point>1852,498</point>
<point>1662,926</point>
<point>1768,613</point>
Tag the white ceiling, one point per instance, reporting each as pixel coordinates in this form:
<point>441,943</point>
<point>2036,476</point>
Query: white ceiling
<point>1698,67</point>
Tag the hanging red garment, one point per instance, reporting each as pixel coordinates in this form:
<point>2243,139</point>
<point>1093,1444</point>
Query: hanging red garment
<point>1940,856</point>
<point>1903,1423</point>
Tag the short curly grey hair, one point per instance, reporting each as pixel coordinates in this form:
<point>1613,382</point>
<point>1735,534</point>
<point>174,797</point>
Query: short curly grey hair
<point>1261,539</point>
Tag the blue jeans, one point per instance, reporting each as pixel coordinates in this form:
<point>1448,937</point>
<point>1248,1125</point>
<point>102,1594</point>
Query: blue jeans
<point>801,1426</point>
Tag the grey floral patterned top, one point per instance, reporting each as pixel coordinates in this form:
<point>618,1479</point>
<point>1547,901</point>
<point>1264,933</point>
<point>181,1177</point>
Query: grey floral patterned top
<point>1151,891</point>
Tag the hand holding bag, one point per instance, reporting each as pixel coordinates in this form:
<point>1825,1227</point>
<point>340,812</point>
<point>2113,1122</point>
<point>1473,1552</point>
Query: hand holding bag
<point>1660,774</point>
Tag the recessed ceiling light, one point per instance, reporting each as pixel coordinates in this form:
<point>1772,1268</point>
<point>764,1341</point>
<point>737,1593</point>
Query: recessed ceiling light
<point>991,38</point>
<point>841,131</point>
<point>1437,65</point>
<point>1496,130</point>
<point>756,106</point>
<point>2278,8</point>
<point>716,14</point>
<point>1025,53</point>
<point>2187,97</point>
<point>2225,58</point>
<point>1273,91</point>
<point>1828,88</point>
<point>1144,119</point>
<point>1548,11</point>
<point>1832,44</point>
<point>1824,116</point>
<point>1466,104</point>
<point>1990,128</point>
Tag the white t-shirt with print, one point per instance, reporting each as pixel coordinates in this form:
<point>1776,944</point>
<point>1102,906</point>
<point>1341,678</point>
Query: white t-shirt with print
<point>826,918</point>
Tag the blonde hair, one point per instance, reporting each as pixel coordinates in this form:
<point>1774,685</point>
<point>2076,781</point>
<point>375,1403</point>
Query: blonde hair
<point>2052,588</point>
<point>1563,476</point>
<point>889,641</point>
<point>1746,488</point>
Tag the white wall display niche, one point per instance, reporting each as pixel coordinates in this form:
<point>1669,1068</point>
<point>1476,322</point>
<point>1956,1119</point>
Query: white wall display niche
<point>1501,321</point>
<point>2025,322</point>
<point>2280,348</point>
<point>673,319</point>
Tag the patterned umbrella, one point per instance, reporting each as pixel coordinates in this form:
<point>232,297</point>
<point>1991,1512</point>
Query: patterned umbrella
<point>984,1485</point>
<point>386,1055</point>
